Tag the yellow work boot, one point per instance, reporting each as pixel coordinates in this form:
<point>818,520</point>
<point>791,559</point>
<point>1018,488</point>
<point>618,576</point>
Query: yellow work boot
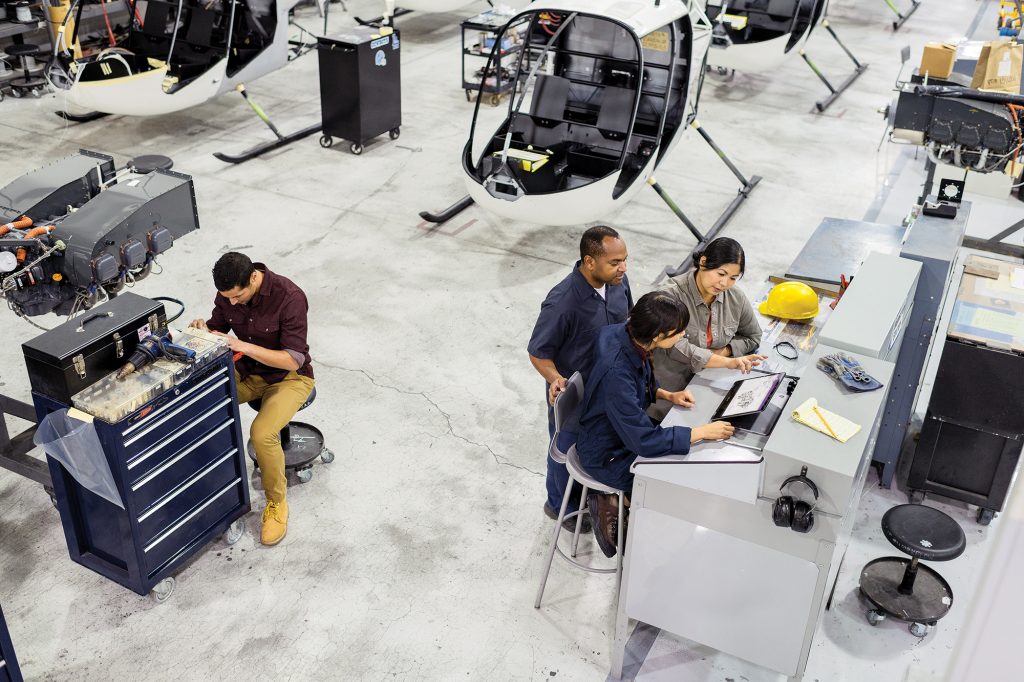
<point>275,523</point>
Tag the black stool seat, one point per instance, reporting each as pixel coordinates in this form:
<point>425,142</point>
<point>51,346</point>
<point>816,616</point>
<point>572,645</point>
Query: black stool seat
<point>23,50</point>
<point>904,588</point>
<point>923,532</point>
<point>147,163</point>
<point>302,443</point>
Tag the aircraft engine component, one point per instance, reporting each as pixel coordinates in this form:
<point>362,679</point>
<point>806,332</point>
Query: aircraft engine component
<point>78,229</point>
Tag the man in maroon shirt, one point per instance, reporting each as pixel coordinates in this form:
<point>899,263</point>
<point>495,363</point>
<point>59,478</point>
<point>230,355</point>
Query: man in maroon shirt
<point>267,313</point>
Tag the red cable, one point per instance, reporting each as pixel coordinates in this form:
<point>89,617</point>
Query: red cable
<point>106,19</point>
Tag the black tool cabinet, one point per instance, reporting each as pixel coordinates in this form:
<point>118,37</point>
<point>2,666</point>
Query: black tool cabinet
<point>973,431</point>
<point>179,465</point>
<point>9,670</point>
<point>360,86</point>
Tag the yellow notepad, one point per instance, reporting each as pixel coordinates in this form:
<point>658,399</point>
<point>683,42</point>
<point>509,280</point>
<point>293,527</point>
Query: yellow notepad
<point>818,418</point>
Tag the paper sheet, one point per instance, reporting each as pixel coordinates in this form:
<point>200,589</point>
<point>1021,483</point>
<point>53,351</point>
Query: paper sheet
<point>818,418</point>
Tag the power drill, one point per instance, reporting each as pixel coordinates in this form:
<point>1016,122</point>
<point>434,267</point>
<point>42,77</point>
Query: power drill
<point>152,347</point>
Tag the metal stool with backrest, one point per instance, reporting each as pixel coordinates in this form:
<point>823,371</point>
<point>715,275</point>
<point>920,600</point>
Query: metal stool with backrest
<point>302,444</point>
<point>905,589</point>
<point>563,450</point>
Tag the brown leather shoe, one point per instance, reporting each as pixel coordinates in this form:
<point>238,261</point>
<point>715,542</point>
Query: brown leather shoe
<point>605,511</point>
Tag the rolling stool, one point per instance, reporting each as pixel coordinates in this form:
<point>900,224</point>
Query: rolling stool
<point>907,590</point>
<point>302,443</point>
<point>26,83</point>
<point>147,163</point>
<point>566,409</point>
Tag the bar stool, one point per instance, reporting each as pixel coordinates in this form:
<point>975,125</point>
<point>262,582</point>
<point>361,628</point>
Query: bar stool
<point>302,444</point>
<point>567,406</point>
<point>906,590</point>
<point>26,83</point>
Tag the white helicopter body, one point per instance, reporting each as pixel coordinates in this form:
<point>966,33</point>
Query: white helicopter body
<point>617,89</point>
<point>758,35</point>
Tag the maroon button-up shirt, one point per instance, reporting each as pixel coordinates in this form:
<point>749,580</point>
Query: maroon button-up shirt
<point>275,318</point>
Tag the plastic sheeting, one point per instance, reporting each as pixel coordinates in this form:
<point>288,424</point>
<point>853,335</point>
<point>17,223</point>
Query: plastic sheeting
<point>77,447</point>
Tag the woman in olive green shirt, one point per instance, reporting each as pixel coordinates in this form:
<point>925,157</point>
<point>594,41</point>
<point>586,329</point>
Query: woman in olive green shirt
<point>723,330</point>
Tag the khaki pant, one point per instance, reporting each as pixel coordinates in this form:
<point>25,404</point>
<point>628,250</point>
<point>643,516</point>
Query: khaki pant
<point>280,402</point>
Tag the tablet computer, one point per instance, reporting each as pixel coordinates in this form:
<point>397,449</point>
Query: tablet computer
<point>748,396</point>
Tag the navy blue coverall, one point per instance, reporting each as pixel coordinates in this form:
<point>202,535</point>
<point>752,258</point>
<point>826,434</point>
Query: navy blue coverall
<point>614,426</point>
<point>569,320</point>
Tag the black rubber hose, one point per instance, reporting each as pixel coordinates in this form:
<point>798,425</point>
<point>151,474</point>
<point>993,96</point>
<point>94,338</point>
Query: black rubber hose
<point>172,300</point>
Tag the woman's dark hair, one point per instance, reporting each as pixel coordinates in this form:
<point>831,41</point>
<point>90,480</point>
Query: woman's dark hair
<point>721,251</point>
<point>232,270</point>
<point>655,314</point>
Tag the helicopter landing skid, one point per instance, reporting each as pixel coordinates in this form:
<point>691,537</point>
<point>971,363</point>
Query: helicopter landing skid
<point>448,213</point>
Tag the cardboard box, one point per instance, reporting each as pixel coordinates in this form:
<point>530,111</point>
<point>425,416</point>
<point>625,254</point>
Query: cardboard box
<point>999,67</point>
<point>937,60</point>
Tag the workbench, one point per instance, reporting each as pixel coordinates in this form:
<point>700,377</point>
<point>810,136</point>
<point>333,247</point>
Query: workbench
<point>704,559</point>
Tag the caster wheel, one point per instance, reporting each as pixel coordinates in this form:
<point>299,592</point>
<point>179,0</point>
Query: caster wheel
<point>916,497</point>
<point>16,94</point>
<point>326,141</point>
<point>919,629</point>
<point>163,589</point>
<point>37,93</point>
<point>875,617</point>
<point>234,532</point>
<point>495,100</point>
<point>53,499</point>
<point>356,148</point>
<point>326,456</point>
<point>985,516</point>
<point>394,133</point>
<point>304,475</point>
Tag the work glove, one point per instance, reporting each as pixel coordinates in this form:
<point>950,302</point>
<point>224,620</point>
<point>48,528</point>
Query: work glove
<point>848,371</point>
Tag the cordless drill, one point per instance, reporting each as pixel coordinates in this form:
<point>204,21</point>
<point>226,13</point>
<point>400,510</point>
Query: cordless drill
<point>152,347</point>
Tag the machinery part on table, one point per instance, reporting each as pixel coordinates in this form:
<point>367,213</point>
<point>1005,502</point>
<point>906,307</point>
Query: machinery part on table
<point>234,532</point>
<point>790,301</point>
<point>156,345</point>
<point>162,590</point>
<point>100,232</point>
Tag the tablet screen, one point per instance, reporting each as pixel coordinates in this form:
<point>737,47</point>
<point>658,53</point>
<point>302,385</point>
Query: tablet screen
<point>751,395</point>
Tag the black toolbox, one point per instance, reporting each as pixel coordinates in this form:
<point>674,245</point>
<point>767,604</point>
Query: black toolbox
<point>80,352</point>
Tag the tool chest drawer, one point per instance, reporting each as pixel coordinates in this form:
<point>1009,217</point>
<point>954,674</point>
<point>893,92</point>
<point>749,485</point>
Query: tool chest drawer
<point>175,410</point>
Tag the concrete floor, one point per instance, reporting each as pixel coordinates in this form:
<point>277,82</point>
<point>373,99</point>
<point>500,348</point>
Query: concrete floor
<point>415,555</point>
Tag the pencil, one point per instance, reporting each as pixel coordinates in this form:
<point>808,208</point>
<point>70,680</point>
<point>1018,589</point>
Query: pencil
<point>822,418</point>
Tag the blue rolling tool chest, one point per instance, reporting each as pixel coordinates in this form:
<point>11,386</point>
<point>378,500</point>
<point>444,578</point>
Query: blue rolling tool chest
<point>179,467</point>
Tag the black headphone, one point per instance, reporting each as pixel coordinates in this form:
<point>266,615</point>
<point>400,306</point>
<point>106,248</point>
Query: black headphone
<point>795,514</point>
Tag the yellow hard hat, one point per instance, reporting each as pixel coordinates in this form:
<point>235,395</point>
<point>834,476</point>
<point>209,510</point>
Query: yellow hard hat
<point>791,301</point>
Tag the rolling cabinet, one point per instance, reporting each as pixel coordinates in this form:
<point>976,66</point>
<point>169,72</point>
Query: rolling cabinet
<point>479,35</point>
<point>178,463</point>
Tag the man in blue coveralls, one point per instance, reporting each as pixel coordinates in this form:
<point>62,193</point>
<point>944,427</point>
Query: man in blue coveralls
<point>595,294</point>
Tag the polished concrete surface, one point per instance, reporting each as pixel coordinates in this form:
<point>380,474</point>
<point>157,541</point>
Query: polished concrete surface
<point>415,554</point>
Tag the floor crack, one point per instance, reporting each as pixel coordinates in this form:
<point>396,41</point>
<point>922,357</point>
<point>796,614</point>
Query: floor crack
<point>447,417</point>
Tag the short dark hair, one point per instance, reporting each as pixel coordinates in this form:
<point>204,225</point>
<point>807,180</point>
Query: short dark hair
<point>232,270</point>
<point>721,251</point>
<point>592,242</point>
<point>655,314</point>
